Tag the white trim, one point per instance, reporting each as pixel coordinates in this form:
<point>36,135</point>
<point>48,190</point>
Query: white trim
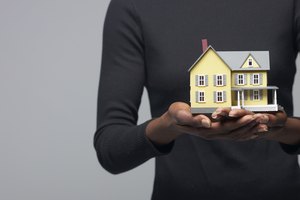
<point>258,108</point>
<point>275,97</point>
<point>238,99</point>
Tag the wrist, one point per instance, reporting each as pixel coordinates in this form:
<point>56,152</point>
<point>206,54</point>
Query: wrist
<point>288,133</point>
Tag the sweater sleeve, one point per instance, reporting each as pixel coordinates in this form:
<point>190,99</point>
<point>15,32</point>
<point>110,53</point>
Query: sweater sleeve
<point>121,144</point>
<point>291,149</point>
<point>295,149</point>
<point>297,23</point>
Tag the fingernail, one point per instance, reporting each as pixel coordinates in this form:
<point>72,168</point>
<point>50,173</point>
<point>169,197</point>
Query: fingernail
<point>205,123</point>
<point>214,115</point>
<point>262,129</point>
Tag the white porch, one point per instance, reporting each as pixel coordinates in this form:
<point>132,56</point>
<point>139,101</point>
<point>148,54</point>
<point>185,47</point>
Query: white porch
<point>256,108</point>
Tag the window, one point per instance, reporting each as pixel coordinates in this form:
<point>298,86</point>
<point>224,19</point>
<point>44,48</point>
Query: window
<point>256,95</point>
<point>220,81</point>
<point>201,80</point>
<point>201,96</point>
<point>220,97</point>
<point>256,79</point>
<point>241,79</point>
<point>250,62</point>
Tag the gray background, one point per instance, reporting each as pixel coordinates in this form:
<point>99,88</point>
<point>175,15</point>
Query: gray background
<point>50,53</point>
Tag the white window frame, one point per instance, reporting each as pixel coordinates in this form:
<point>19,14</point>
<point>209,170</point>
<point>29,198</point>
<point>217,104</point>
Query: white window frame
<point>201,76</point>
<point>221,76</point>
<point>240,79</point>
<point>219,96</point>
<point>201,94</point>
<point>258,79</point>
<point>256,95</point>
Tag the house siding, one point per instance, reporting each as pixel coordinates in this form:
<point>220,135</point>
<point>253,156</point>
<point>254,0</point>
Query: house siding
<point>210,65</point>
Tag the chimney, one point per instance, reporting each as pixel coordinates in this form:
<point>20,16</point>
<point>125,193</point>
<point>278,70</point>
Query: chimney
<point>204,45</point>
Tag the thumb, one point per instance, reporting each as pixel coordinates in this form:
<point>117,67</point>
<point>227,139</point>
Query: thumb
<point>181,113</point>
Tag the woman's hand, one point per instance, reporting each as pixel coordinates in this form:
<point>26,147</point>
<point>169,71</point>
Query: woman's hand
<point>233,125</point>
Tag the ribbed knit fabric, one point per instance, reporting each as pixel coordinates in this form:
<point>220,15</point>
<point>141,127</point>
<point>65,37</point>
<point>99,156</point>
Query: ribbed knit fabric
<point>152,44</point>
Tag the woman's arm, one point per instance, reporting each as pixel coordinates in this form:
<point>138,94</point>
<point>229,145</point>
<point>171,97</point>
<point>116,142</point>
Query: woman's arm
<point>288,134</point>
<point>120,144</point>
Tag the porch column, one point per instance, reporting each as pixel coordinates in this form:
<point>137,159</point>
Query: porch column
<point>243,98</point>
<point>275,97</point>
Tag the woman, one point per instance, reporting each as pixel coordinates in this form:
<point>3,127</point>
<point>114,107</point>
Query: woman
<point>152,44</point>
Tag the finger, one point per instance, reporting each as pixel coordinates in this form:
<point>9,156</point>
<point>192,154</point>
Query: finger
<point>202,121</point>
<point>182,115</point>
<point>236,113</point>
<point>255,132</point>
<point>220,113</point>
<point>228,126</point>
<point>261,118</point>
<point>194,121</point>
<point>276,119</point>
<point>261,128</point>
<point>241,133</point>
<point>250,131</point>
<point>199,132</point>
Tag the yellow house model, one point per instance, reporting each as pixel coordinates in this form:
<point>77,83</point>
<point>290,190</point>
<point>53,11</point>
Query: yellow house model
<point>236,79</point>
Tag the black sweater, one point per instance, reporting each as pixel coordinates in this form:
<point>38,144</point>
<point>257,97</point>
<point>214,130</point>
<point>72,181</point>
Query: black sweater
<point>152,44</point>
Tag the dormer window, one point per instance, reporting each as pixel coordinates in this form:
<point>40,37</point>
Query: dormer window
<point>250,62</point>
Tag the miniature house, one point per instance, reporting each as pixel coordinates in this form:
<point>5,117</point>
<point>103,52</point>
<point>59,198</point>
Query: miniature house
<point>236,79</point>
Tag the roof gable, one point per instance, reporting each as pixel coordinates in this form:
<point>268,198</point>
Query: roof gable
<point>236,59</point>
<point>250,63</point>
<point>210,48</point>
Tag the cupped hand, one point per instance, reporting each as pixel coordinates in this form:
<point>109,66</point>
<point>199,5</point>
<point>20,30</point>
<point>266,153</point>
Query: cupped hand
<point>224,123</point>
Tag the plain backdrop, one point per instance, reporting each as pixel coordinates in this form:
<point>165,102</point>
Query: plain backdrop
<point>50,54</point>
